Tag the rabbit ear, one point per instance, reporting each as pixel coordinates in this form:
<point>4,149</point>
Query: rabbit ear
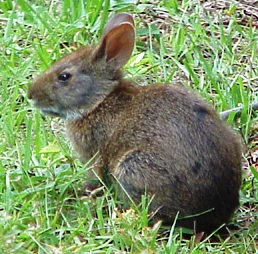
<point>118,40</point>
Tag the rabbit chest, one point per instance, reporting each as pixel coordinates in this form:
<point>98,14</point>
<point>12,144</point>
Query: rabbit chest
<point>92,134</point>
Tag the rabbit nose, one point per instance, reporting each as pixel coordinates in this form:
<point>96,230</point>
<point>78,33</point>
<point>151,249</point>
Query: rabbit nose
<point>30,94</point>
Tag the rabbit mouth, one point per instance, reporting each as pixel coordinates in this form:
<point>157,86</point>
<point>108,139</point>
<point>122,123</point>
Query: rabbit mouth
<point>45,110</point>
<point>52,112</point>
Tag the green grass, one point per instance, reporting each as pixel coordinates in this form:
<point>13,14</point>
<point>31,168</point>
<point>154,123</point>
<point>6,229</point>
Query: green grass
<point>41,207</point>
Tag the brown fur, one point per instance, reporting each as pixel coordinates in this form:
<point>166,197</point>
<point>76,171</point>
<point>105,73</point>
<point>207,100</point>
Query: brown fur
<point>162,140</point>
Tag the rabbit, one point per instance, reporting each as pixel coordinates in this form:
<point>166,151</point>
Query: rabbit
<point>160,140</point>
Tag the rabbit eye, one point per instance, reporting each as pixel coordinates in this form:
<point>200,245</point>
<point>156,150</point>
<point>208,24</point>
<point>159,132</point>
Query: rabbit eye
<point>63,77</point>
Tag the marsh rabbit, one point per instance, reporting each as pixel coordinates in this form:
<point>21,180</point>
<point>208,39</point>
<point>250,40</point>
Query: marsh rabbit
<point>162,139</point>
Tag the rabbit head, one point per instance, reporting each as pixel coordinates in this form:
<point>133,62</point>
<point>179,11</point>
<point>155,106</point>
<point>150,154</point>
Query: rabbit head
<point>78,82</point>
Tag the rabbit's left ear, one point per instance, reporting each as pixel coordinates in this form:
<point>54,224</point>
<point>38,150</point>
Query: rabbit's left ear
<point>118,40</point>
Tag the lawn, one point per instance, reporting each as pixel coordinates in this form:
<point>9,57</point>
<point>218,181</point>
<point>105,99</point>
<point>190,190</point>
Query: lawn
<point>210,47</point>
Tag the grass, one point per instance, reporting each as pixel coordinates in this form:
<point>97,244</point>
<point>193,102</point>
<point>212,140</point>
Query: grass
<point>41,208</point>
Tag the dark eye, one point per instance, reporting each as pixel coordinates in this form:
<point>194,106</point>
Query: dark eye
<point>65,76</point>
